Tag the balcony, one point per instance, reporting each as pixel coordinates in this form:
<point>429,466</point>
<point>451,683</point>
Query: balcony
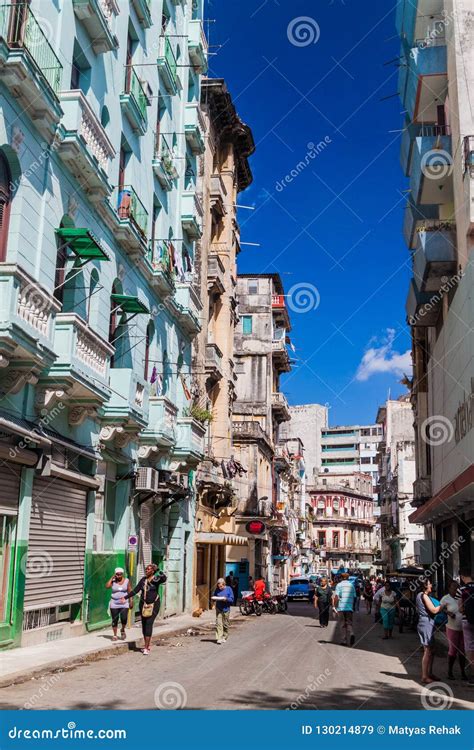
<point>432,164</point>
<point>143,11</point>
<point>218,195</point>
<point>188,308</point>
<point>163,164</point>
<point>281,359</point>
<point>29,67</point>
<point>157,260</point>
<point>189,447</point>
<point>415,218</point>
<point>82,364</point>
<point>213,363</point>
<point>129,400</point>
<point>434,260</point>
<point>194,128</point>
<point>168,67</point>
<point>421,491</point>
<point>27,313</point>
<point>215,275</point>
<point>132,219</point>
<point>134,101</point>
<point>423,79</point>
<point>84,146</point>
<point>97,17</point>
<point>422,309</point>
<point>250,431</point>
<point>197,46</point>
<point>191,215</point>
<point>160,432</point>
<point>280,407</point>
<point>282,458</point>
<point>280,312</point>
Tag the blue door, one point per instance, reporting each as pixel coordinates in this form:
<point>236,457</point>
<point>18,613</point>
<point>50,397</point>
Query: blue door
<point>240,571</point>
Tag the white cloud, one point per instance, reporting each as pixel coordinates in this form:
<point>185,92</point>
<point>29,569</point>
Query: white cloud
<point>383,358</point>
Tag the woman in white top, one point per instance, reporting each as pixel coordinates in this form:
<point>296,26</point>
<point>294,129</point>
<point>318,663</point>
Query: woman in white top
<point>118,609</point>
<point>454,631</point>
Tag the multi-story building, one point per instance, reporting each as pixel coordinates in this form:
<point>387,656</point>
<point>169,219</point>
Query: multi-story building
<point>98,221</point>
<point>396,478</point>
<point>343,522</point>
<point>225,173</point>
<point>349,449</point>
<point>436,75</point>
<point>260,407</point>
<point>307,421</point>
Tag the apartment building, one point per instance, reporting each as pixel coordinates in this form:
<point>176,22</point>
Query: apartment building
<point>225,174</point>
<point>437,154</point>
<point>307,421</point>
<point>348,449</point>
<point>100,134</point>
<point>397,474</point>
<point>261,356</point>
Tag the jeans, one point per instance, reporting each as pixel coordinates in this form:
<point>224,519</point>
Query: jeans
<point>222,625</point>
<point>345,618</point>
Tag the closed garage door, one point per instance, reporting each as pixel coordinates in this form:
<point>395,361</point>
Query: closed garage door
<point>57,541</point>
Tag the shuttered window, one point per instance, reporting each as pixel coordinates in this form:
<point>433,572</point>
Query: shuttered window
<point>5,198</point>
<point>56,546</point>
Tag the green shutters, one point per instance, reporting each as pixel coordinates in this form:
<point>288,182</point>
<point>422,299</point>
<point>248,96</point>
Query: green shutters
<point>246,325</point>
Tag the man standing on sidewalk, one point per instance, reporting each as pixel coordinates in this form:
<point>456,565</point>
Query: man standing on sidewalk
<point>223,597</point>
<point>344,604</point>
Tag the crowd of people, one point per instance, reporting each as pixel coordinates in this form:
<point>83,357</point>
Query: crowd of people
<point>341,595</point>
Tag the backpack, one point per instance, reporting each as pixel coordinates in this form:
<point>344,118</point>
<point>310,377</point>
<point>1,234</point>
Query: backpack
<point>468,605</point>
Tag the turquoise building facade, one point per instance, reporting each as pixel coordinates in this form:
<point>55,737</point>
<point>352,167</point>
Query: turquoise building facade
<point>100,141</point>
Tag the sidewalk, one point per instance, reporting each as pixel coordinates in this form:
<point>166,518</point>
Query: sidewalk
<point>20,664</point>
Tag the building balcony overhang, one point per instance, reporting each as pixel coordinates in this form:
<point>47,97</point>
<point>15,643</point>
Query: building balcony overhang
<point>431,176</point>
<point>134,101</point>
<point>415,218</point>
<point>423,79</point>
<point>197,46</point>
<point>213,363</point>
<point>422,309</point>
<point>127,218</point>
<point>215,275</point>
<point>434,260</point>
<point>163,164</point>
<point>189,447</point>
<point>156,267</point>
<point>143,11</point>
<point>194,128</point>
<point>96,16</point>
<point>218,195</point>
<point>280,407</point>
<point>191,215</point>
<point>186,308</point>
<point>167,67</point>
<point>129,400</point>
<point>281,359</point>
<point>160,431</point>
<point>84,146</point>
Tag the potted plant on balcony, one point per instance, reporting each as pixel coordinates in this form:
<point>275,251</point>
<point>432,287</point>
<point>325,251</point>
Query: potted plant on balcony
<point>200,415</point>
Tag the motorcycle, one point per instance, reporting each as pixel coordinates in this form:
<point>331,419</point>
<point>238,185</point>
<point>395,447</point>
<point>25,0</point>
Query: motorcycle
<point>268,604</point>
<point>281,602</point>
<point>249,604</point>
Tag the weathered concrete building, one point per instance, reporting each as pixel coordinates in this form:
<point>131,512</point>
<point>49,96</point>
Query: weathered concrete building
<point>307,421</point>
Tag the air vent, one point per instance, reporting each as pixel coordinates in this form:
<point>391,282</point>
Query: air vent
<point>147,480</point>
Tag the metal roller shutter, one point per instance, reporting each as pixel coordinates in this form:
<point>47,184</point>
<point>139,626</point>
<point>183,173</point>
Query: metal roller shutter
<point>10,478</point>
<point>146,537</point>
<point>57,541</point>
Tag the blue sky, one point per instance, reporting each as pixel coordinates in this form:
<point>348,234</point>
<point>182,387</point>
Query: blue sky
<point>305,72</point>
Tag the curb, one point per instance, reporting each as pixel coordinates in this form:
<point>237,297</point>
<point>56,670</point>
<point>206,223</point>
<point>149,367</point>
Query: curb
<point>120,647</point>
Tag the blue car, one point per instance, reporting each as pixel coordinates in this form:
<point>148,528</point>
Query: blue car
<point>299,589</point>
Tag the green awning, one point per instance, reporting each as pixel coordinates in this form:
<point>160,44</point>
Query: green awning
<point>129,304</point>
<point>83,243</point>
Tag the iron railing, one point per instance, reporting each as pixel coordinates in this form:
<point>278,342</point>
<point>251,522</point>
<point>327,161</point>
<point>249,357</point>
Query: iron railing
<point>21,30</point>
<point>134,87</point>
<point>129,206</point>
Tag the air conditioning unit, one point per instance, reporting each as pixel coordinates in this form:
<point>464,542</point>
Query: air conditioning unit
<point>181,479</point>
<point>147,480</point>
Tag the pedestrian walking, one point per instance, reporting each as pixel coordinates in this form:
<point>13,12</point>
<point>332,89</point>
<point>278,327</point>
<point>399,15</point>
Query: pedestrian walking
<point>233,582</point>
<point>118,610</point>
<point>454,631</point>
<point>466,607</point>
<point>388,605</point>
<point>358,592</point>
<point>223,597</point>
<point>344,605</point>
<point>368,596</point>
<point>426,630</point>
<point>323,601</point>
<point>149,589</point>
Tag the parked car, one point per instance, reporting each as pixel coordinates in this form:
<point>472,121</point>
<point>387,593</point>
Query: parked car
<point>299,589</point>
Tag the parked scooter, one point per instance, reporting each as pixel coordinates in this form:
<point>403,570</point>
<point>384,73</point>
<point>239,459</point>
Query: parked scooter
<point>268,604</point>
<point>281,602</point>
<point>249,604</point>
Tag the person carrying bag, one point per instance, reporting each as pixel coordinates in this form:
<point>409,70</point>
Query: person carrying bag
<point>148,587</point>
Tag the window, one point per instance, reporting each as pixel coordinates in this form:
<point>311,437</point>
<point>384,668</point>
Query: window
<point>150,331</point>
<point>200,566</point>
<point>322,538</point>
<point>80,71</point>
<point>252,286</point>
<point>5,199</point>
<point>366,460</point>
<point>104,519</point>
<point>335,539</point>
<point>246,325</point>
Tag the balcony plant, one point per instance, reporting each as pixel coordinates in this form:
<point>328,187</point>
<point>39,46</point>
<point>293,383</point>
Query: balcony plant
<point>200,415</point>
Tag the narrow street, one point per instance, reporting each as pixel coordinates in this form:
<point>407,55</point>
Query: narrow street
<point>274,662</point>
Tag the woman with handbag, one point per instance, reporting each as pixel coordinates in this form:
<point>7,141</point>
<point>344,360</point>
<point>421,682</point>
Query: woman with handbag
<point>148,587</point>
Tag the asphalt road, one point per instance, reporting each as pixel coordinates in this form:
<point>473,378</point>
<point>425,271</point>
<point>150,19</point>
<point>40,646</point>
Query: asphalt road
<point>273,662</point>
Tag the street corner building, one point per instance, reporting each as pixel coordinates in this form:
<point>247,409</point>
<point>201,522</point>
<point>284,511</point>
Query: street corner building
<point>437,155</point>
<point>101,428</point>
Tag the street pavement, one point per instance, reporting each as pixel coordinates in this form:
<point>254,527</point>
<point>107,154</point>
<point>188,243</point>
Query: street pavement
<point>283,661</point>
